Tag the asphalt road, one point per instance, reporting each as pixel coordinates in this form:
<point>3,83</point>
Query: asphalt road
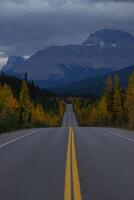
<point>33,167</point>
<point>33,163</point>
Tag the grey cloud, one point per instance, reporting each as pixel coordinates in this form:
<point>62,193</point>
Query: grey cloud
<point>59,1</point>
<point>29,25</point>
<point>111,0</point>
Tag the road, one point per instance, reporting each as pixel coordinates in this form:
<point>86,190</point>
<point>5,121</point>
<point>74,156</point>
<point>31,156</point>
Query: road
<point>67,163</point>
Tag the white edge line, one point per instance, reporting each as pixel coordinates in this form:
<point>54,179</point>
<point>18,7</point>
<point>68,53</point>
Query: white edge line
<point>118,135</point>
<point>18,138</point>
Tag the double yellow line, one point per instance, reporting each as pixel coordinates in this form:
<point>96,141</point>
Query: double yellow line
<point>72,182</point>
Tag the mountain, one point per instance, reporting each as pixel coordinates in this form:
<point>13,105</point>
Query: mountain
<point>93,86</point>
<point>110,38</point>
<point>70,75</point>
<point>12,63</point>
<point>102,52</point>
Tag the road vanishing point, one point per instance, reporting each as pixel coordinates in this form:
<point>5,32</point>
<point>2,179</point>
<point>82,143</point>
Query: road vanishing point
<point>67,163</point>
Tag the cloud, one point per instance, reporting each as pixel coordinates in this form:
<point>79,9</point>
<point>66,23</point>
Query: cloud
<point>29,25</point>
<point>3,62</point>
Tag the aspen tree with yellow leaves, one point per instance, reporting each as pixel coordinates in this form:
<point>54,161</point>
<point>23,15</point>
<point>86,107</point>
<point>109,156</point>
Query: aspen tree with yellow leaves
<point>102,111</point>
<point>108,93</point>
<point>7,101</point>
<point>129,103</point>
<point>93,117</point>
<point>117,103</point>
<point>8,108</point>
<point>37,116</point>
<point>114,108</point>
<point>25,105</point>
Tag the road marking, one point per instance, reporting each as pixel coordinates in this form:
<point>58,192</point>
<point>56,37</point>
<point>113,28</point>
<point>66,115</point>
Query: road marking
<point>72,166</point>
<point>118,135</point>
<point>18,138</point>
<point>75,173</point>
<point>67,191</point>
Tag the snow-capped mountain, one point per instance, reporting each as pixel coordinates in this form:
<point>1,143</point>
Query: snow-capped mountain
<point>103,51</point>
<point>109,38</point>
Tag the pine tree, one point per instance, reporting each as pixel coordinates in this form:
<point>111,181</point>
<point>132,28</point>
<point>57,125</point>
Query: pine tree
<point>129,104</point>
<point>117,103</point>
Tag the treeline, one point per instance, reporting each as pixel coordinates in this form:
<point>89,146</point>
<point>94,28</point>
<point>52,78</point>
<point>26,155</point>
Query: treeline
<point>24,105</point>
<point>114,108</point>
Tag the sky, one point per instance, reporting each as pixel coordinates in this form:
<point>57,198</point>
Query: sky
<point>27,26</point>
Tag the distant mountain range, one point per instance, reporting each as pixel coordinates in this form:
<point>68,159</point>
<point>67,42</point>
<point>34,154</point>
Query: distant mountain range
<point>102,52</point>
<point>93,86</point>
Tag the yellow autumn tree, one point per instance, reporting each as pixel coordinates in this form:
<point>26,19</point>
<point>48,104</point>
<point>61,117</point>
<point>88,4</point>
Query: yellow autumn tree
<point>37,116</point>
<point>25,104</point>
<point>8,109</point>
<point>52,120</point>
<point>93,117</point>
<point>108,90</point>
<point>102,111</point>
<point>129,103</point>
<point>108,93</point>
<point>117,103</point>
<point>8,103</point>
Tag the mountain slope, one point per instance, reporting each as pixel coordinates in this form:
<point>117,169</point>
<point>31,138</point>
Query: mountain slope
<point>93,86</point>
<point>12,63</point>
<point>105,50</point>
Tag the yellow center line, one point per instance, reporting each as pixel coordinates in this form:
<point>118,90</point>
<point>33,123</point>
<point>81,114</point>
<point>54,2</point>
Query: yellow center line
<point>71,164</point>
<point>67,191</point>
<point>76,180</point>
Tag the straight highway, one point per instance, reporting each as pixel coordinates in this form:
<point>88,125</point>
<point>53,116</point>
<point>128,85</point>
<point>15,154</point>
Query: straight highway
<point>67,163</point>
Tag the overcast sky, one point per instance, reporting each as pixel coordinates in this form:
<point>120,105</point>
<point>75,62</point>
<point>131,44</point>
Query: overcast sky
<point>29,25</point>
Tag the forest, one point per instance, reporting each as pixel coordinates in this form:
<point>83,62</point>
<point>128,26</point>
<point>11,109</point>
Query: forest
<point>24,105</point>
<point>114,108</point>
